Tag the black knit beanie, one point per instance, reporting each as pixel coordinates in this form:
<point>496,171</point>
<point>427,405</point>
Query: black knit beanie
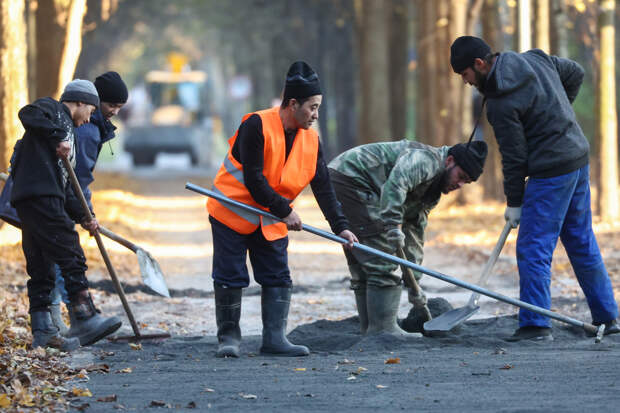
<point>465,50</point>
<point>470,157</point>
<point>111,88</point>
<point>301,82</point>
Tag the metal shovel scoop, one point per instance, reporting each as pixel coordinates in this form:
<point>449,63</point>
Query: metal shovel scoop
<point>448,320</point>
<point>152,275</point>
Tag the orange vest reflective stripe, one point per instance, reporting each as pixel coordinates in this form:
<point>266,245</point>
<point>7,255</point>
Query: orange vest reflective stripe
<point>286,178</point>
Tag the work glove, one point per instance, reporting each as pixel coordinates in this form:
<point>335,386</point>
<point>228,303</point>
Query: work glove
<point>396,238</point>
<point>513,216</point>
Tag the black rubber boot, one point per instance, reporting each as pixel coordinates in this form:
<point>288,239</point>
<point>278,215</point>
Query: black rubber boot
<point>362,309</point>
<point>227,315</point>
<point>56,314</point>
<point>45,334</point>
<point>533,333</point>
<point>86,323</point>
<point>275,302</point>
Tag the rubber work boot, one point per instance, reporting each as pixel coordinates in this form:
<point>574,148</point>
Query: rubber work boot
<point>362,309</point>
<point>611,327</point>
<point>57,319</point>
<point>87,324</point>
<point>275,302</point>
<point>227,315</point>
<point>533,333</point>
<point>45,334</point>
<point>382,304</point>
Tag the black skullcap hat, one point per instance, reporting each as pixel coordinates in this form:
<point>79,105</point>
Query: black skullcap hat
<point>301,82</point>
<point>470,157</point>
<point>465,50</point>
<point>111,88</point>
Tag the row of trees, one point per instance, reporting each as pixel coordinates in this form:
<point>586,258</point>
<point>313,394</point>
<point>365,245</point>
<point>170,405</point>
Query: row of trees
<point>384,64</point>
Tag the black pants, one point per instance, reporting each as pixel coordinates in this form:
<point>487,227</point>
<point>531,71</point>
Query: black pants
<point>48,237</point>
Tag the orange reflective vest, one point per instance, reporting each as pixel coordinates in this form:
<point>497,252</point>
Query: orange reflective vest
<point>287,176</point>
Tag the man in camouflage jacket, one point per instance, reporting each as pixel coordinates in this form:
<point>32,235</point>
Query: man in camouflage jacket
<point>387,190</point>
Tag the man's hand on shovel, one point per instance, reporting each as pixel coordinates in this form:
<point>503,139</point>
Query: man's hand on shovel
<point>91,226</point>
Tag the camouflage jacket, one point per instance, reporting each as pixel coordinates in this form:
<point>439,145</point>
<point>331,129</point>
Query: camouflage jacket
<point>405,174</point>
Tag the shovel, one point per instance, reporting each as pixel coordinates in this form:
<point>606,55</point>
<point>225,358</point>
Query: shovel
<point>448,320</point>
<point>150,270</point>
<point>106,258</point>
<point>587,327</point>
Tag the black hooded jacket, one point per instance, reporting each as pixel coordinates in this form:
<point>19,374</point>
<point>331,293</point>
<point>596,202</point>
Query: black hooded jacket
<point>529,98</point>
<point>36,170</point>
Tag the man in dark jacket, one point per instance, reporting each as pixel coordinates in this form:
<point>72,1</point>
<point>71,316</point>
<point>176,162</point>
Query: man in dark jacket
<point>530,96</point>
<point>91,136</point>
<point>47,208</point>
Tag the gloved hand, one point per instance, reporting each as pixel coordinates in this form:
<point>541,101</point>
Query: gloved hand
<point>513,216</point>
<point>396,238</point>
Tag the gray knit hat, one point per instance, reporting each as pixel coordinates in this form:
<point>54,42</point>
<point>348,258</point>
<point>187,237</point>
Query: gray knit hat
<point>79,90</point>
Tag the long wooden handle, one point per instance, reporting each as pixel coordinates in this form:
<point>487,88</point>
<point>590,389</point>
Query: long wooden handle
<point>115,237</point>
<point>104,253</point>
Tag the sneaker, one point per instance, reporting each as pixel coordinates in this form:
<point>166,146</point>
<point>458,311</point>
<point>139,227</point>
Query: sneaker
<point>611,327</point>
<point>531,333</point>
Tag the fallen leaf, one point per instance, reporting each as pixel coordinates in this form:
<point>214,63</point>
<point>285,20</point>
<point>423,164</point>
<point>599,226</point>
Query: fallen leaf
<point>107,399</point>
<point>506,367</point>
<point>191,405</point>
<point>351,378</point>
<point>394,360</point>
<point>300,369</point>
<point>135,346</point>
<point>248,396</point>
<point>157,403</point>
<point>209,390</point>
<point>78,392</point>
<point>381,386</point>
<point>125,370</point>
<point>80,407</point>
<point>5,401</point>
<point>346,361</point>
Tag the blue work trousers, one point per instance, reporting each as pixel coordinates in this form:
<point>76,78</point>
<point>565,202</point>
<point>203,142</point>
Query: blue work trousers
<point>560,207</point>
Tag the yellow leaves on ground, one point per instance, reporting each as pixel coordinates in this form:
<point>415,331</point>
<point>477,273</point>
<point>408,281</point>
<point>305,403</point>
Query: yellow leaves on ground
<point>78,392</point>
<point>135,346</point>
<point>393,360</point>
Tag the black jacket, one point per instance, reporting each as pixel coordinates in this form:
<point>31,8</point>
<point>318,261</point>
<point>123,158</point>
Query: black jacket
<point>36,170</point>
<point>529,98</point>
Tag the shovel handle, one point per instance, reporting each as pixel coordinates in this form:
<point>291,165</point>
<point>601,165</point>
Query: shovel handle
<point>117,285</point>
<point>419,301</point>
<point>486,271</point>
<point>115,237</point>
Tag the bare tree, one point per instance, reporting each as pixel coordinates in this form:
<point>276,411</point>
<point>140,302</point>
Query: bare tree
<point>607,114</point>
<point>13,75</point>
<point>59,43</point>
<point>398,35</point>
<point>542,25</point>
<point>557,28</point>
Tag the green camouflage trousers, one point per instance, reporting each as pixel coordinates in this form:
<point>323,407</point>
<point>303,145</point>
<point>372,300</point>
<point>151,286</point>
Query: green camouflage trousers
<point>361,207</point>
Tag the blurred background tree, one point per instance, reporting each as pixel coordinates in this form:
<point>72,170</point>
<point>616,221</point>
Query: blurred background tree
<point>383,64</point>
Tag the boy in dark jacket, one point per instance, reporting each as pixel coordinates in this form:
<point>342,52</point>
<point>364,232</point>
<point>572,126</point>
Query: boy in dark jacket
<point>47,208</point>
<point>530,96</point>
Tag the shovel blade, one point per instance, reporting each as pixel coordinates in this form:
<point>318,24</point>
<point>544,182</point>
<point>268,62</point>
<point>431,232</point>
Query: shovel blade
<point>151,273</point>
<point>448,320</point>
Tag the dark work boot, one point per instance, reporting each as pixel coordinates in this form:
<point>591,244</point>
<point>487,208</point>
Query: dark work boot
<point>86,322</point>
<point>45,334</point>
<point>534,333</point>
<point>362,309</point>
<point>227,314</point>
<point>56,314</point>
<point>611,327</point>
<point>275,302</point>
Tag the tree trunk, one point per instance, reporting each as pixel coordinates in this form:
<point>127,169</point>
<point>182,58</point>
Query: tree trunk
<point>374,68</point>
<point>59,43</point>
<point>558,42</point>
<point>398,67</point>
<point>525,33</point>
<point>607,115</point>
<point>542,25</point>
<point>492,177</point>
<point>13,75</point>
<point>426,102</point>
